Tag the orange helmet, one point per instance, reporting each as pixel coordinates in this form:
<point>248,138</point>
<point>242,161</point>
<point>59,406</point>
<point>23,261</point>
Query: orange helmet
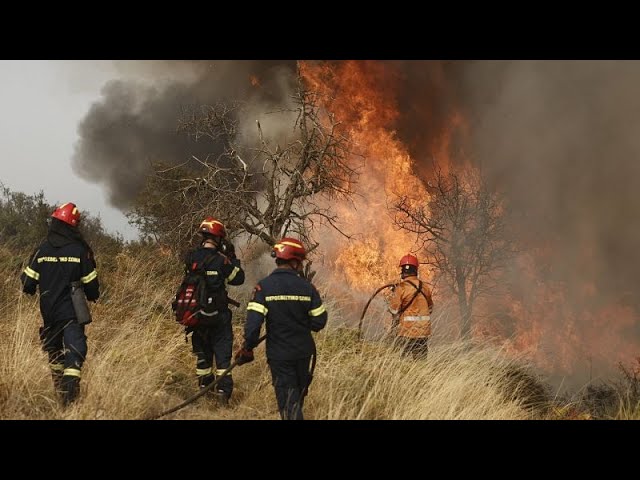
<point>409,260</point>
<point>67,213</point>
<point>289,249</point>
<point>212,226</point>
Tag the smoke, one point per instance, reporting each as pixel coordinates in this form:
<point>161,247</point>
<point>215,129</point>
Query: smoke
<point>134,123</point>
<point>427,96</point>
<point>560,139</point>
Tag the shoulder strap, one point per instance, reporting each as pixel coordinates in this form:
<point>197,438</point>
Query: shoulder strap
<point>210,256</point>
<point>418,290</point>
<point>199,265</point>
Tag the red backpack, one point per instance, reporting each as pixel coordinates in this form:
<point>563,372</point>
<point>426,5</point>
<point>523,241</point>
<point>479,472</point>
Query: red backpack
<point>191,298</point>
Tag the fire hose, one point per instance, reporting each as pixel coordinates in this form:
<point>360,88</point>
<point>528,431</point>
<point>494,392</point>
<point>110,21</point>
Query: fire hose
<point>202,391</point>
<point>418,291</point>
<point>367,306</point>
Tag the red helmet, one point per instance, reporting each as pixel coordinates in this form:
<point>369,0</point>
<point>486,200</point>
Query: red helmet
<point>67,213</point>
<point>289,249</point>
<point>409,259</point>
<point>212,227</point>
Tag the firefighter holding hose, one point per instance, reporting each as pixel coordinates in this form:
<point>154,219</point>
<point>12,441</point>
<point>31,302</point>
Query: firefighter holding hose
<point>411,306</point>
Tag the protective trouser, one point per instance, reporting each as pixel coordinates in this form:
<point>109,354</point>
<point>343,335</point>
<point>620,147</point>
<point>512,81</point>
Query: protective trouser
<point>416,347</point>
<point>214,342</point>
<point>290,379</point>
<point>66,345</point>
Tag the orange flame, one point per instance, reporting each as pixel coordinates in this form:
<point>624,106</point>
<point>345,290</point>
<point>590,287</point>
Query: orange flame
<point>361,96</point>
<point>543,325</point>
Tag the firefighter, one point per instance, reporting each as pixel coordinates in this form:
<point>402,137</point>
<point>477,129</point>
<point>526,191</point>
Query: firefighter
<point>292,309</point>
<point>62,258</point>
<point>213,336</point>
<point>411,306</point>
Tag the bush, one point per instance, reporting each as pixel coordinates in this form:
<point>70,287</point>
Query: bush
<point>24,224</point>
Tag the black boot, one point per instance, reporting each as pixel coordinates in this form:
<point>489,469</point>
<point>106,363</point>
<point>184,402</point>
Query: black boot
<point>70,389</point>
<point>205,380</point>
<point>222,398</point>
<point>57,381</point>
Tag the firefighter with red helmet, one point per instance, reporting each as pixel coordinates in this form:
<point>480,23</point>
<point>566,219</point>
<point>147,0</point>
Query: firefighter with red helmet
<point>411,306</point>
<point>212,338</point>
<point>63,258</point>
<point>292,309</point>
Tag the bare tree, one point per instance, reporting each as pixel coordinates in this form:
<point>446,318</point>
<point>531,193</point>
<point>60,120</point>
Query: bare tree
<point>463,233</point>
<point>255,186</point>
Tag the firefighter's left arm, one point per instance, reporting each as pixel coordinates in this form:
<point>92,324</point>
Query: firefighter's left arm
<point>318,312</point>
<point>89,276</point>
<point>256,314</point>
<point>232,271</point>
<point>31,275</point>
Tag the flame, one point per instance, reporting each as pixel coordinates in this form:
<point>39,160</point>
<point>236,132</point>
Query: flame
<point>558,333</point>
<point>361,96</point>
<point>255,81</point>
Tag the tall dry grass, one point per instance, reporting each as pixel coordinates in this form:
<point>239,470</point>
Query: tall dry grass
<point>139,364</point>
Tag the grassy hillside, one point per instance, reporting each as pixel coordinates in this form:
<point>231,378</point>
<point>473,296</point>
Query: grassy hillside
<point>139,364</point>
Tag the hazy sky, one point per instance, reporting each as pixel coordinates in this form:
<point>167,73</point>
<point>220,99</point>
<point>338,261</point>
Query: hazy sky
<point>42,103</point>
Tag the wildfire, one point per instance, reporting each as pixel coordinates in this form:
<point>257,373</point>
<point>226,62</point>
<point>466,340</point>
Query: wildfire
<point>361,96</point>
<point>543,323</point>
<point>560,334</point>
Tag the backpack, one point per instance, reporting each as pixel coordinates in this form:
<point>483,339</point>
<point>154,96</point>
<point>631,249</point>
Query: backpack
<point>193,305</point>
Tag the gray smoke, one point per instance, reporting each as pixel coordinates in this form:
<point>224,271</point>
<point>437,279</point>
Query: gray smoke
<point>562,140</point>
<point>135,121</point>
<point>427,94</point>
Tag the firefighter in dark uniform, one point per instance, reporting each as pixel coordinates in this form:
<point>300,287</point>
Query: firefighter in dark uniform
<point>62,258</point>
<point>292,309</point>
<point>213,336</point>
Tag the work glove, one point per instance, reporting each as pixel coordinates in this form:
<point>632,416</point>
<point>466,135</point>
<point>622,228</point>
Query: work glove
<point>244,356</point>
<point>229,250</point>
<point>307,273</point>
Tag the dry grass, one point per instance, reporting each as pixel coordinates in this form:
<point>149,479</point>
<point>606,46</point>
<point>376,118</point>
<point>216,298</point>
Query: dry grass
<point>138,364</point>
<point>456,381</point>
<point>628,412</point>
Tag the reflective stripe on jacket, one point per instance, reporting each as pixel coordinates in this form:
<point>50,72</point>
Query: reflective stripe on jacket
<point>415,321</point>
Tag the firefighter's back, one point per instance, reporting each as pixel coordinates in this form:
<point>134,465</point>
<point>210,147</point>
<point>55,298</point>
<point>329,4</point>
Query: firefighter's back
<point>288,299</point>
